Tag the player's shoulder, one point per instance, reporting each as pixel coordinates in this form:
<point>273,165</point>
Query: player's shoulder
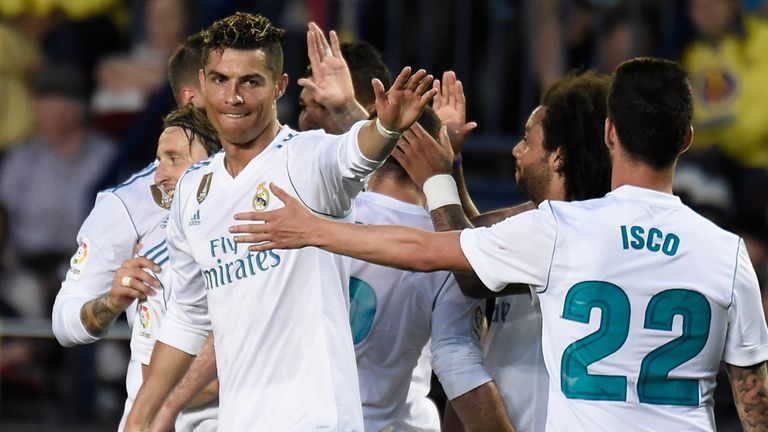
<point>135,196</point>
<point>200,172</point>
<point>137,183</point>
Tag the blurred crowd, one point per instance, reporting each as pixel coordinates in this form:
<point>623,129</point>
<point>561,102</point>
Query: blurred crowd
<point>83,90</point>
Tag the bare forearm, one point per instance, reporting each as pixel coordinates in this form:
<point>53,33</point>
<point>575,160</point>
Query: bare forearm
<point>481,409</point>
<point>449,218</point>
<point>98,314</point>
<point>393,246</point>
<point>750,394</point>
<point>347,115</point>
<point>496,216</point>
<point>167,366</point>
<point>199,385</point>
<point>466,201</point>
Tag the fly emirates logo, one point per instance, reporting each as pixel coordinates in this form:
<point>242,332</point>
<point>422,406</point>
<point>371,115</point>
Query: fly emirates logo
<point>229,270</point>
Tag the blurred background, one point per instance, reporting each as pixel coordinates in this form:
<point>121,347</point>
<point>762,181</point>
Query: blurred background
<point>83,90</point>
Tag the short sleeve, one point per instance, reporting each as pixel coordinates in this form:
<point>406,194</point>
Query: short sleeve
<point>516,250</point>
<point>746,342</point>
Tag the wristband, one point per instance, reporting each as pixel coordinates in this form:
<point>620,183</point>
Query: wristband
<point>440,191</point>
<point>386,133</point>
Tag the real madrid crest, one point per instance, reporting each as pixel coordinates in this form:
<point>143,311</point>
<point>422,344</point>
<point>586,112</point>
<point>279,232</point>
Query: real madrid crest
<point>160,196</point>
<point>204,187</point>
<point>261,198</point>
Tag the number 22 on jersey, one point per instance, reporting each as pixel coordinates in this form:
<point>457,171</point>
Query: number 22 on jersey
<point>653,384</point>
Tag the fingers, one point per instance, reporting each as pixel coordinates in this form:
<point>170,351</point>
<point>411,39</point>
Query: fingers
<point>461,101</point>
<point>309,84</point>
<point>137,248</point>
<point>423,84</point>
<point>312,50</point>
<point>335,45</point>
<point>438,100</point>
<point>449,81</point>
<point>281,194</point>
<point>378,90</point>
<point>402,79</point>
<point>140,262</point>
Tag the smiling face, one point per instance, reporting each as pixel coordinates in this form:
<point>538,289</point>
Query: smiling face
<point>175,154</point>
<point>240,95</point>
<point>534,166</point>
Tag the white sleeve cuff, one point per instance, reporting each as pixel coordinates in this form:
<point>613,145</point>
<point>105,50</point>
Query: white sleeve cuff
<point>459,368</point>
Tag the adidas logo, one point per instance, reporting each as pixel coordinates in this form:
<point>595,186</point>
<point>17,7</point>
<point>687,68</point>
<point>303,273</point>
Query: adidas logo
<point>195,220</point>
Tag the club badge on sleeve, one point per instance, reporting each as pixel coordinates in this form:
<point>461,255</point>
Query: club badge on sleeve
<point>160,196</point>
<point>204,187</point>
<point>79,259</point>
<point>145,320</point>
<point>261,198</point>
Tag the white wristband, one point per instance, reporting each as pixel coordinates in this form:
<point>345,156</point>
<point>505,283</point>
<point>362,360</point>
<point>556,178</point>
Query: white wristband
<point>440,191</point>
<point>386,133</point>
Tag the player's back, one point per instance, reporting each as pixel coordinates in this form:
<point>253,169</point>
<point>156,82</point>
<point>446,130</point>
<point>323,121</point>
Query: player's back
<point>643,301</point>
<point>391,324</point>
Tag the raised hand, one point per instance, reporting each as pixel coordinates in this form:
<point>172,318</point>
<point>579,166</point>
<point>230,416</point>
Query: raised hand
<point>402,104</point>
<point>289,227</point>
<point>451,107</point>
<point>132,282</point>
<point>421,156</point>
<point>331,83</point>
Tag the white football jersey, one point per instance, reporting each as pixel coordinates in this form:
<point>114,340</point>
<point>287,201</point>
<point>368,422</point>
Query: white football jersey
<point>641,299</point>
<point>284,348</point>
<point>394,313</point>
<point>514,359</point>
<point>121,217</point>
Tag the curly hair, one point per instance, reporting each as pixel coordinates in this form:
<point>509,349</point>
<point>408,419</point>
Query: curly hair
<point>651,105</point>
<point>246,31</point>
<point>574,123</point>
<point>195,124</point>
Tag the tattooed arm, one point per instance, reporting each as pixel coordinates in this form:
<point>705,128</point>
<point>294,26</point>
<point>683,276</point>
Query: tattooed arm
<point>97,315</point>
<point>750,394</point>
<point>452,217</point>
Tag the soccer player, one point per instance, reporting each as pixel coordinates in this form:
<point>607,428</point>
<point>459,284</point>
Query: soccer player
<point>91,297</point>
<point>284,350</point>
<point>103,280</point>
<point>562,156</point>
<point>641,297</point>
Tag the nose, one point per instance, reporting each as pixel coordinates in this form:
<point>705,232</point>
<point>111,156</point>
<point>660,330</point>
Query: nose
<point>161,174</point>
<point>233,95</point>
<point>517,150</point>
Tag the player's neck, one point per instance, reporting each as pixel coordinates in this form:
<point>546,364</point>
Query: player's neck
<point>237,156</point>
<point>633,173</point>
<point>401,190</point>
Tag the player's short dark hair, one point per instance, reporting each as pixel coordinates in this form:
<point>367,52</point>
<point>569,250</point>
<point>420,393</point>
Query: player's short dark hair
<point>246,31</point>
<point>431,124</point>
<point>574,123</point>
<point>184,64</point>
<point>365,63</point>
<point>651,105</point>
<point>196,125</point>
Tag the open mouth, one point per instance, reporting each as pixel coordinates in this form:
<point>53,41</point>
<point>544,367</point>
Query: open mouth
<point>235,116</point>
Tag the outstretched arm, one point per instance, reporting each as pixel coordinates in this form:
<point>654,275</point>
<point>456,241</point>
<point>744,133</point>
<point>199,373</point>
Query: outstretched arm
<point>294,226</point>
<point>750,394</point>
<point>331,82</point>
